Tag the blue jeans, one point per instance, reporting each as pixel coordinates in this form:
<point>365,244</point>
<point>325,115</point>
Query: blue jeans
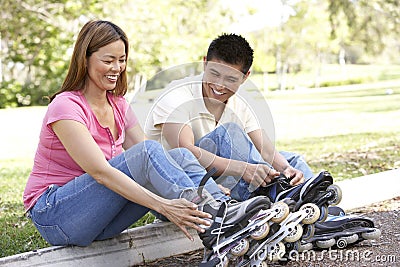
<point>83,210</point>
<point>230,141</point>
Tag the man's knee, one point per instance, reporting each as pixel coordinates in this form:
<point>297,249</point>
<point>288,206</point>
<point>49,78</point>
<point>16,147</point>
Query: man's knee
<point>181,153</point>
<point>230,127</point>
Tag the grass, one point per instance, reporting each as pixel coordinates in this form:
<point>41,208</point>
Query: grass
<point>17,233</point>
<point>350,155</point>
<point>349,132</point>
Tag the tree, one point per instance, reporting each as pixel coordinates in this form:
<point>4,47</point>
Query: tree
<point>371,23</point>
<point>38,35</point>
<point>300,41</point>
<point>170,32</point>
<point>34,40</point>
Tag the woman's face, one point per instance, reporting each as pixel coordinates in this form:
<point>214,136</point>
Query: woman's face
<point>105,65</point>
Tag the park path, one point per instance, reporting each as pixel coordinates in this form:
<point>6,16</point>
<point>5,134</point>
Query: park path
<point>20,132</point>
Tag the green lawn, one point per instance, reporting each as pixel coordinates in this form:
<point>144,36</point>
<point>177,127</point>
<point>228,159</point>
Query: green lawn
<point>348,132</point>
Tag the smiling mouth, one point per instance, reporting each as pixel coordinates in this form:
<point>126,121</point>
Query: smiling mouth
<point>217,92</point>
<point>112,78</point>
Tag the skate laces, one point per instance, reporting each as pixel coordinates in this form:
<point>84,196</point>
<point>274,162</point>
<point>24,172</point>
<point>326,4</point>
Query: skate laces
<point>282,181</point>
<point>220,230</point>
<point>221,227</point>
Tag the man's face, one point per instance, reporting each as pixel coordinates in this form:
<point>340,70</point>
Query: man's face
<point>221,80</point>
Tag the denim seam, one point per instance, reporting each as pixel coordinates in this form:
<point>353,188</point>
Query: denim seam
<point>60,201</point>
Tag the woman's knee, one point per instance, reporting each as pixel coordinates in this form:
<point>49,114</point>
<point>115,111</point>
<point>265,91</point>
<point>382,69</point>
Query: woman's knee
<point>147,147</point>
<point>151,145</point>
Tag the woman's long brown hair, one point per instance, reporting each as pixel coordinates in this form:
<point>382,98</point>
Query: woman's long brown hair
<point>93,36</point>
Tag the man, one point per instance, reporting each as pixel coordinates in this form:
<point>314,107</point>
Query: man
<point>205,114</point>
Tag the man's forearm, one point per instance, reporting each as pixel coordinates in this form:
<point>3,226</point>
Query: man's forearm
<point>267,150</point>
<point>224,166</point>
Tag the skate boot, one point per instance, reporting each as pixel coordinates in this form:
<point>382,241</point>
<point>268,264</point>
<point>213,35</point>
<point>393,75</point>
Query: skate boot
<point>231,222</point>
<point>228,217</point>
<point>319,190</point>
<point>339,231</point>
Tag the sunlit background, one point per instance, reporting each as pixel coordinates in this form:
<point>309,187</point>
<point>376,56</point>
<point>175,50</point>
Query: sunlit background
<point>311,46</point>
<point>328,70</point>
<point>298,44</point>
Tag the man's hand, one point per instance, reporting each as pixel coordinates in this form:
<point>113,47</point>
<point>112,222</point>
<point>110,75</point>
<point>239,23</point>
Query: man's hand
<point>225,190</point>
<point>259,174</point>
<point>295,175</point>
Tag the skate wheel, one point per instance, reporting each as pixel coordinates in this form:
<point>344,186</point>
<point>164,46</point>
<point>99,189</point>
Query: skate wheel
<point>241,248</point>
<point>283,211</point>
<point>324,213</point>
<point>351,239</point>
<point>305,247</point>
<point>261,232</point>
<point>277,252</point>
<point>375,234</point>
<point>325,243</point>
<point>313,213</point>
<point>308,232</point>
<point>294,235</point>
<point>337,192</point>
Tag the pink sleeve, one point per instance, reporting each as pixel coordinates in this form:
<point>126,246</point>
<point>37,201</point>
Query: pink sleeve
<point>131,119</point>
<point>66,108</point>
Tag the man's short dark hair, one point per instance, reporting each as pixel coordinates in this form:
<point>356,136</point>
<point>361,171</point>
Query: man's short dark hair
<point>232,49</point>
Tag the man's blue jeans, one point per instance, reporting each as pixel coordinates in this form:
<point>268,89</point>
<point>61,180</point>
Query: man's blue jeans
<point>83,210</point>
<point>230,141</point>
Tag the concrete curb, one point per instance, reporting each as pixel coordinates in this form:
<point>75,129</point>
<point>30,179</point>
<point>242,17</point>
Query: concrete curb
<point>369,189</point>
<point>155,241</point>
<point>134,246</point>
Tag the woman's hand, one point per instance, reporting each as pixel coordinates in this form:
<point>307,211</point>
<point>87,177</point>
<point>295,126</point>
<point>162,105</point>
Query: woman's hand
<point>185,214</point>
<point>297,176</point>
<point>259,174</point>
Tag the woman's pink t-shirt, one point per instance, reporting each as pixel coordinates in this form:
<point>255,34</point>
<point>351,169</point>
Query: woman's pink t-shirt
<point>52,163</point>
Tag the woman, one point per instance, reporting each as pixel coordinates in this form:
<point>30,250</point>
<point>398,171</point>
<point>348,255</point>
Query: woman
<point>94,173</point>
<point>74,195</point>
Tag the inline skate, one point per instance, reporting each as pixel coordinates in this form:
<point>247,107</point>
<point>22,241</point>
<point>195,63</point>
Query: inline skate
<point>231,222</point>
<point>339,231</point>
<point>228,217</point>
<point>263,238</point>
<point>319,190</point>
